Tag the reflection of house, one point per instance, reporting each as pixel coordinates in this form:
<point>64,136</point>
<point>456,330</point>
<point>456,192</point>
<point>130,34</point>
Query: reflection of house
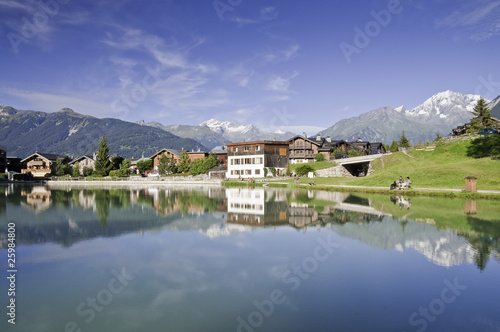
<point>248,159</point>
<point>3,159</point>
<point>39,164</point>
<point>303,149</point>
<point>250,207</point>
<point>38,198</point>
<point>302,215</point>
<point>84,162</point>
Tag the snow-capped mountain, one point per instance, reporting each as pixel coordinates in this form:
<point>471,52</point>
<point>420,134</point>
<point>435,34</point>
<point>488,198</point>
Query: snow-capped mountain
<point>227,127</point>
<point>214,132</point>
<point>444,105</point>
<point>438,114</point>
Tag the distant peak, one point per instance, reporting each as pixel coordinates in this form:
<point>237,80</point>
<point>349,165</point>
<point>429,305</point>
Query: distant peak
<point>7,110</point>
<point>66,110</point>
<point>400,109</point>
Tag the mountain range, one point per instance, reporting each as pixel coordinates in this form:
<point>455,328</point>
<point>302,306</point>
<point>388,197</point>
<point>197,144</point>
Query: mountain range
<point>438,114</point>
<point>214,132</point>
<point>70,133</point>
<point>67,132</point>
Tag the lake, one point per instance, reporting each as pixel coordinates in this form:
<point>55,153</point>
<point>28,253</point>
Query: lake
<point>206,258</point>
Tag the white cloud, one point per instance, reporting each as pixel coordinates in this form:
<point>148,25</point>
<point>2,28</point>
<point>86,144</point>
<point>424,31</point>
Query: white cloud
<point>266,14</point>
<point>280,84</point>
<point>475,21</point>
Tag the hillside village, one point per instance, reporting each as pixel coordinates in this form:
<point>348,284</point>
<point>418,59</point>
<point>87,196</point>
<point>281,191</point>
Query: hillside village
<point>252,159</point>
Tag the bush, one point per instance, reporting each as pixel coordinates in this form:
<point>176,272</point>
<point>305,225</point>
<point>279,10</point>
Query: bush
<point>303,169</point>
<point>353,153</point>
<point>319,157</point>
<point>265,172</point>
<point>4,175</point>
<point>273,171</point>
<point>87,171</point>
<point>114,173</point>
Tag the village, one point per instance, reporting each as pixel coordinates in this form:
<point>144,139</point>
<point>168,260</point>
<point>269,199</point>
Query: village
<point>241,160</point>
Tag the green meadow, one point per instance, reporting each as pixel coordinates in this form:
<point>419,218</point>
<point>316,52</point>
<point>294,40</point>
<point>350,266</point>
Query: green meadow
<point>445,167</point>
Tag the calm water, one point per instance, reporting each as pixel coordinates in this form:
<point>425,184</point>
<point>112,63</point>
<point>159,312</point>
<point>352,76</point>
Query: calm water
<point>211,259</point>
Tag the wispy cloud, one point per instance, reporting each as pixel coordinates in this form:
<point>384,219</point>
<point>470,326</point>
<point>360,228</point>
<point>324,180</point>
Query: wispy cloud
<point>280,84</point>
<point>477,20</point>
<point>266,14</point>
<point>51,102</point>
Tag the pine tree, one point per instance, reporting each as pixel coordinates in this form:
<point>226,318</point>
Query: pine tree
<point>403,141</point>
<point>103,165</point>
<point>482,116</point>
<point>184,162</point>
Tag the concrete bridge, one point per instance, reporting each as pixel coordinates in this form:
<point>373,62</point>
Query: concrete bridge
<point>349,167</point>
<point>358,160</point>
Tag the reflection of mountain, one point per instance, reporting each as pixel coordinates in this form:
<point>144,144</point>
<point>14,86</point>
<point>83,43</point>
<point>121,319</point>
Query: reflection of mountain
<point>68,216</point>
<point>442,247</point>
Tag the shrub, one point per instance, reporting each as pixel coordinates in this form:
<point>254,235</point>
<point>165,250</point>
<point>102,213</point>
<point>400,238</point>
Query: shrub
<point>273,171</point>
<point>319,157</point>
<point>303,169</point>
<point>353,153</point>
<point>265,171</point>
<point>114,173</point>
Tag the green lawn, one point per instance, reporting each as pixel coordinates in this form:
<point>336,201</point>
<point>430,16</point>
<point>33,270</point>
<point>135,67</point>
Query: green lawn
<point>445,167</point>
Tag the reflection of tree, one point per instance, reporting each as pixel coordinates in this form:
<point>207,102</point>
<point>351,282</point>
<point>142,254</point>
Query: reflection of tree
<point>119,198</point>
<point>61,198</point>
<point>482,245</point>
<point>102,198</point>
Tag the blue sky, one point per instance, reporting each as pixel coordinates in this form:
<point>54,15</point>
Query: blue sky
<point>296,65</point>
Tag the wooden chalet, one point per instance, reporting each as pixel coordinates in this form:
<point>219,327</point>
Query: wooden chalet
<point>303,148</point>
<point>377,147</point>
<point>84,161</point>
<point>460,130</point>
<point>221,154</point>
<point>363,147</point>
<point>193,155</point>
<point>170,153</point>
<point>39,164</point>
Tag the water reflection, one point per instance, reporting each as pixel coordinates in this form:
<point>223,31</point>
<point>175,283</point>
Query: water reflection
<point>435,227</point>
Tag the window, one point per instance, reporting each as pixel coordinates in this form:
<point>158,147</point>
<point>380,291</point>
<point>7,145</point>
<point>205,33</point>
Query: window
<point>257,148</point>
<point>235,149</point>
<point>248,172</point>
<point>257,172</point>
<point>282,151</point>
<point>246,148</point>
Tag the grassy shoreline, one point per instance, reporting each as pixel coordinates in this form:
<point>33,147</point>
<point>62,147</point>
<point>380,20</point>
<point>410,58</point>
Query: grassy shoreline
<point>430,192</point>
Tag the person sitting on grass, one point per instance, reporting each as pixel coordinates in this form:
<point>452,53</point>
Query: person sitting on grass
<point>408,182</point>
<point>401,182</point>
